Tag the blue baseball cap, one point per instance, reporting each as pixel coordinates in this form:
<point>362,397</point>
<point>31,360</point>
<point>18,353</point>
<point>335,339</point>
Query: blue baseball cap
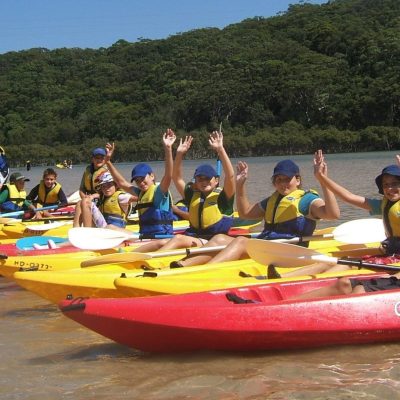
<point>205,170</point>
<point>389,170</point>
<point>99,152</point>
<point>287,168</point>
<point>141,170</point>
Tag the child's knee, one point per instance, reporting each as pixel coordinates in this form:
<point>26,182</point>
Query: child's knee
<point>344,286</point>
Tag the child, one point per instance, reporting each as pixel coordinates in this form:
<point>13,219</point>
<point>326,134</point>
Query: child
<point>111,210</point>
<point>13,195</point>
<point>388,183</point>
<point>154,199</point>
<point>289,212</point>
<point>210,207</point>
<point>91,173</point>
<point>47,193</point>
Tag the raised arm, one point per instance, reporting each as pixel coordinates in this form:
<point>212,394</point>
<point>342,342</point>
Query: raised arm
<point>119,180</point>
<point>245,209</point>
<point>327,208</point>
<point>216,141</point>
<point>168,140</point>
<point>177,175</point>
<point>342,192</point>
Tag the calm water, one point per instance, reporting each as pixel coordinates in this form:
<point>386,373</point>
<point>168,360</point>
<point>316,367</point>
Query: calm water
<point>46,356</point>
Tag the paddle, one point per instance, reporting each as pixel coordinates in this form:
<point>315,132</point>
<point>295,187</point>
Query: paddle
<point>135,256</point>
<point>341,233</point>
<point>16,213</point>
<point>47,226</point>
<point>102,238</point>
<point>287,255</point>
<point>27,243</point>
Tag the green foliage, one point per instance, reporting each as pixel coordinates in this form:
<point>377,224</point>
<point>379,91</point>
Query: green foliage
<point>323,76</point>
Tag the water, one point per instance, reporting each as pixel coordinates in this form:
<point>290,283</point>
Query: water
<point>47,356</point>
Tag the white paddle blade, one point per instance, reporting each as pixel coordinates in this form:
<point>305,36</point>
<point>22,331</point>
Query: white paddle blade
<point>48,226</point>
<point>96,238</point>
<point>360,231</point>
<point>283,255</point>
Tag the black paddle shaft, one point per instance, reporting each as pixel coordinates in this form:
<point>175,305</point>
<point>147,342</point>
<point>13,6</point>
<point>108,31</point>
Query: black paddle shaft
<point>361,264</point>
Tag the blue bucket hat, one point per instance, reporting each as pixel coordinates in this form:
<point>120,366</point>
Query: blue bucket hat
<point>287,168</point>
<point>99,152</point>
<point>141,170</point>
<point>389,170</point>
<point>205,170</point>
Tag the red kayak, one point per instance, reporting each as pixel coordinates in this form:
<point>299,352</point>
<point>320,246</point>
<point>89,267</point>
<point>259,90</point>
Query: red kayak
<point>243,319</point>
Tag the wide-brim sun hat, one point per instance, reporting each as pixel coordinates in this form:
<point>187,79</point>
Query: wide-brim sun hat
<point>393,170</point>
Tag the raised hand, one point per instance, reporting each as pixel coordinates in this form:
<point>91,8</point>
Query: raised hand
<point>169,138</point>
<point>110,148</point>
<point>398,159</point>
<point>216,140</point>
<point>184,144</point>
<point>242,172</point>
<point>320,166</point>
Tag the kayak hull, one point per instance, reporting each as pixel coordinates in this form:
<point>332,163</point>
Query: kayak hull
<point>209,321</point>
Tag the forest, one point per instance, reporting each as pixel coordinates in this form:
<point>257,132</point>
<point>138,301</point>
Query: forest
<point>316,76</point>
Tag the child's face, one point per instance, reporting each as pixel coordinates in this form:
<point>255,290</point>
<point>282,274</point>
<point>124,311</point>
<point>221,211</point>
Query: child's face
<point>285,185</point>
<point>391,187</point>
<point>108,189</point>
<point>144,182</point>
<point>98,161</point>
<point>49,180</point>
<point>20,184</point>
<point>205,184</point>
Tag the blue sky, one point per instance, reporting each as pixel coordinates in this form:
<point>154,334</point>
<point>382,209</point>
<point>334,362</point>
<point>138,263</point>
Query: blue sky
<point>100,23</point>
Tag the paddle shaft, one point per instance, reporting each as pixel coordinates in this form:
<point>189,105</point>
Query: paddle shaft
<point>352,263</point>
<point>16,213</point>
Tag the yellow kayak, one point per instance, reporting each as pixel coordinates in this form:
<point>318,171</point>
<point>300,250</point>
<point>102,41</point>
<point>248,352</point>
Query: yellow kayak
<point>99,281</point>
<point>107,281</point>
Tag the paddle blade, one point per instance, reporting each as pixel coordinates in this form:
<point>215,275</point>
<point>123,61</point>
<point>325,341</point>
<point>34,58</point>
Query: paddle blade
<point>96,238</point>
<point>284,255</point>
<point>360,231</point>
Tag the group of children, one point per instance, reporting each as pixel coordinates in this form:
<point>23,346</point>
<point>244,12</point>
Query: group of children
<point>290,211</point>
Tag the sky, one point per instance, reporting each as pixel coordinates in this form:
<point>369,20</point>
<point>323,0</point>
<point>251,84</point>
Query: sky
<point>51,24</point>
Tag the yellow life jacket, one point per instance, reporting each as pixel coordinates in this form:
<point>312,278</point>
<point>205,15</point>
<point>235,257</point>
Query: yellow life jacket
<point>283,217</point>
<point>111,209</point>
<point>391,217</point>
<point>48,197</point>
<point>90,178</point>
<point>15,196</point>
<point>204,213</point>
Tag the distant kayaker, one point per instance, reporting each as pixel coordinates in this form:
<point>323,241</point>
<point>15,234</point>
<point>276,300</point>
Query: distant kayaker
<point>289,212</point>
<point>154,199</point>
<point>210,206</point>
<point>111,210</point>
<point>47,193</point>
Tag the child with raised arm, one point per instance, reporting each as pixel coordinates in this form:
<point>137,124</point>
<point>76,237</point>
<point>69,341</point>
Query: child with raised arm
<point>154,199</point>
<point>289,212</point>
<point>210,207</point>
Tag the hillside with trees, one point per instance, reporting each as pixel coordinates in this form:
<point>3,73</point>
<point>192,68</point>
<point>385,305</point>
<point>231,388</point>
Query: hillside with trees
<point>317,76</point>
